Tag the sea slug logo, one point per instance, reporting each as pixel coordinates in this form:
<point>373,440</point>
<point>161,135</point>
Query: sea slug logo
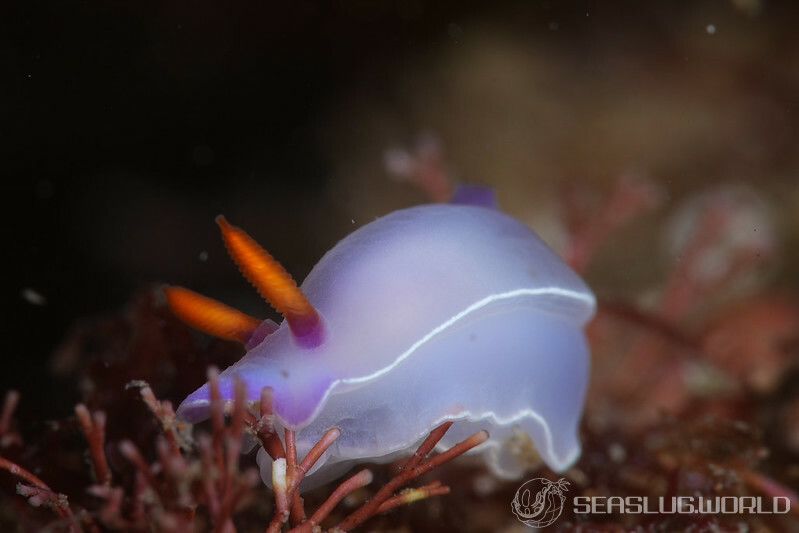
<point>539,501</point>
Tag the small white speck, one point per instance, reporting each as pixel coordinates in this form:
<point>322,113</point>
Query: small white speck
<point>352,220</point>
<point>203,256</point>
<point>485,485</point>
<point>710,29</point>
<point>33,297</point>
<point>399,163</point>
<point>617,452</point>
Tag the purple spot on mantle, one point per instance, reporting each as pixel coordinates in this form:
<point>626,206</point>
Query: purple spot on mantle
<point>307,331</point>
<point>476,195</point>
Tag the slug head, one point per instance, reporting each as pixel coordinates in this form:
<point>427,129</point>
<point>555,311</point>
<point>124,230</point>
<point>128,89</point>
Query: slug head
<point>271,281</point>
<point>303,332</point>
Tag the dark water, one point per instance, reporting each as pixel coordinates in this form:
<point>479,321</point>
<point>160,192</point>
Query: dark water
<point>127,127</point>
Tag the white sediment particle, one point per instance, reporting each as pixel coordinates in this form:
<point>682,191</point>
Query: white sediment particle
<point>33,297</point>
<point>617,452</point>
<point>485,485</point>
<point>399,163</point>
<point>279,474</point>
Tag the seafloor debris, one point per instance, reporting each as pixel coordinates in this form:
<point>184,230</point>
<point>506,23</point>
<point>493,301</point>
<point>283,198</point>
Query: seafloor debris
<point>694,392</point>
<point>190,485</point>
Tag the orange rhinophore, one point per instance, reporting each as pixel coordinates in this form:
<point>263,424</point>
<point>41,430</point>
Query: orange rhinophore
<point>272,281</point>
<point>210,316</point>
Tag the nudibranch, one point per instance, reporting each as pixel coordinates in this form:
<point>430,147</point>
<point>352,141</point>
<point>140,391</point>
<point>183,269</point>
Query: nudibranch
<point>444,312</point>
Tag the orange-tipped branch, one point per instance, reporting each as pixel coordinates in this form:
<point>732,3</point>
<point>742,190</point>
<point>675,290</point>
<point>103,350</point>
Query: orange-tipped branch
<point>297,510</point>
<point>413,495</point>
<point>264,428</point>
<point>38,496</point>
<point>8,435</point>
<point>93,427</point>
<point>386,493</point>
<point>313,456</point>
<point>427,446</point>
<point>131,452</point>
<point>177,432</point>
<point>210,316</point>
<point>286,483</point>
<point>37,492</point>
<point>23,474</point>
<point>359,480</point>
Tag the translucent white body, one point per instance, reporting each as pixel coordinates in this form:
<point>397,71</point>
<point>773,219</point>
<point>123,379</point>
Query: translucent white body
<point>433,313</point>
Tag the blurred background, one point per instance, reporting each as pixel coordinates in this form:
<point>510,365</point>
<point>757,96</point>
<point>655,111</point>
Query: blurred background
<point>126,127</point>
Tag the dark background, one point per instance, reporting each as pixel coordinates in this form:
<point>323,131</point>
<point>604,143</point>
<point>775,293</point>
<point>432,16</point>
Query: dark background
<point>127,126</point>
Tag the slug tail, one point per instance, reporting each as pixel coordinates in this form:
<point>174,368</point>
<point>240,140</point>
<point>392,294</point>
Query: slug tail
<point>211,316</point>
<point>273,283</point>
